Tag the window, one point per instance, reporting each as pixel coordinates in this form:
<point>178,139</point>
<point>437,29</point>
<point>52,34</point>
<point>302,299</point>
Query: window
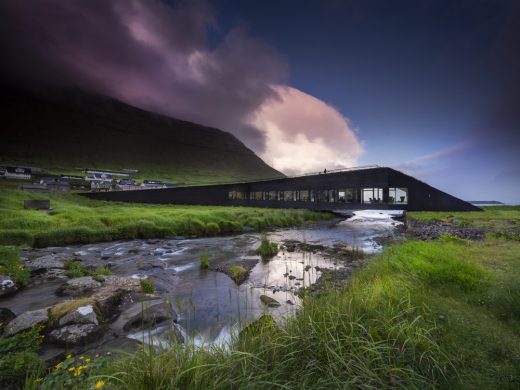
<point>287,196</point>
<point>273,195</point>
<point>372,195</point>
<point>346,195</point>
<point>398,196</point>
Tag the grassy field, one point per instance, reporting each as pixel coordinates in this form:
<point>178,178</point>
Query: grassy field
<point>438,314</point>
<point>493,217</point>
<point>75,219</point>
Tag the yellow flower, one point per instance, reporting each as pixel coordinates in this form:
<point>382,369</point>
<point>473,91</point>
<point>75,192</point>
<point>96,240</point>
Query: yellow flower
<point>81,358</point>
<point>71,369</point>
<point>100,384</point>
<point>58,366</point>
<point>69,356</point>
<point>87,360</point>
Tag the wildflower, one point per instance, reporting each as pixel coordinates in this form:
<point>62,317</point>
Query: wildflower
<point>100,384</point>
<point>69,356</point>
<point>58,366</point>
<point>108,353</point>
<point>97,355</point>
<point>71,369</point>
<point>87,360</point>
<point>81,358</point>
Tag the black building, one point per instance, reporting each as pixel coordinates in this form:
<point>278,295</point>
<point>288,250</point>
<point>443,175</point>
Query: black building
<point>356,188</point>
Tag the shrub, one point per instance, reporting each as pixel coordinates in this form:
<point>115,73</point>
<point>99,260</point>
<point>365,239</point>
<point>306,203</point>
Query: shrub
<point>147,286</point>
<point>267,248</point>
<point>100,272</point>
<point>204,261</point>
<point>18,358</point>
<point>11,266</point>
<point>238,273</point>
<point>75,269</point>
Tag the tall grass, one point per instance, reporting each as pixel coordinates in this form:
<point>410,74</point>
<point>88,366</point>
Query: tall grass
<point>412,319</point>
<point>77,220</point>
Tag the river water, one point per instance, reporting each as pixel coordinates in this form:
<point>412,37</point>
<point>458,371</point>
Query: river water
<point>209,304</point>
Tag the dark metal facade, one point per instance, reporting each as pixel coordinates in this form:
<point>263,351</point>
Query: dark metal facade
<point>374,188</point>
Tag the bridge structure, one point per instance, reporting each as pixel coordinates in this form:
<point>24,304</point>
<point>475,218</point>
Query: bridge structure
<point>363,188</point>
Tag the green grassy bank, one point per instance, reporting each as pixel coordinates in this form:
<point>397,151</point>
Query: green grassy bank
<point>439,314</point>
<point>75,219</point>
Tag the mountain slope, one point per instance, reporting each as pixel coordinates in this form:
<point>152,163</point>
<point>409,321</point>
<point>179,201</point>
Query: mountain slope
<point>65,129</point>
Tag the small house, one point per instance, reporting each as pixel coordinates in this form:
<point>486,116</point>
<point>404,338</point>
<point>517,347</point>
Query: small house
<point>17,173</point>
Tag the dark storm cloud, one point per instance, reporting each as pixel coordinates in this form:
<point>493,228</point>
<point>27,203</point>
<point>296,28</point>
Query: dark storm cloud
<point>146,53</point>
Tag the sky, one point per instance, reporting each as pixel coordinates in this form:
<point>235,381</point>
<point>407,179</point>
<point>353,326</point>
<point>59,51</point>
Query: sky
<point>427,87</point>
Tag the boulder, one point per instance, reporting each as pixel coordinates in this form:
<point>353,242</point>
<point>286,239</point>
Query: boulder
<point>145,314</point>
<point>82,315</point>
<point>108,299</point>
<point>76,334</point>
<point>6,315</point>
<point>26,321</point>
<point>41,264</point>
<point>78,287</point>
<point>268,301</point>
<point>7,286</point>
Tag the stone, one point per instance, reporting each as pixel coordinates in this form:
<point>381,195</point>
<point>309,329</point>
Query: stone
<point>26,321</point>
<point>7,286</point>
<point>268,301</point>
<point>145,314</point>
<point>108,299</point>
<point>78,287</point>
<point>76,334</point>
<point>41,264</point>
<point>6,315</point>
<point>128,284</point>
<point>149,264</point>
<point>48,275</point>
<point>82,315</point>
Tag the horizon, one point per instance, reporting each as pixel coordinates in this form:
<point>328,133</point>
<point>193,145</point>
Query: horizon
<point>427,88</point>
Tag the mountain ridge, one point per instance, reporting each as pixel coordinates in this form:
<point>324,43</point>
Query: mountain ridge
<point>65,128</point>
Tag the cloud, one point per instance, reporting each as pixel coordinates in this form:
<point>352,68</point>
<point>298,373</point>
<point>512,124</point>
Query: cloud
<point>157,57</point>
<point>305,134</point>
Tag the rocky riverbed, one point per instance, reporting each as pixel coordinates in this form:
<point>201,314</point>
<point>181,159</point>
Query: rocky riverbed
<point>158,287</point>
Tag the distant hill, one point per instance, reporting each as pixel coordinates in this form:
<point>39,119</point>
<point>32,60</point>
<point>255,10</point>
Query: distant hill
<point>66,129</point>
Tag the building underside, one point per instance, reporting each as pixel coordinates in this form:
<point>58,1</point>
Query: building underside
<point>375,188</point>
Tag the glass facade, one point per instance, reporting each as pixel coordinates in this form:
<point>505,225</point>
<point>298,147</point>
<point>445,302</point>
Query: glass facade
<point>372,195</point>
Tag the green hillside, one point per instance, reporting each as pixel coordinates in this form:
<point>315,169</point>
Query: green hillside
<point>61,130</point>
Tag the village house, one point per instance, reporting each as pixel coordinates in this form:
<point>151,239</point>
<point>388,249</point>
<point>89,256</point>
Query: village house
<point>17,173</point>
<point>127,185</point>
<point>152,185</point>
<point>55,184</point>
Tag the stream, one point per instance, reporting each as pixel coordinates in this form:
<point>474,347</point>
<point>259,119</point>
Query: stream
<point>209,304</point>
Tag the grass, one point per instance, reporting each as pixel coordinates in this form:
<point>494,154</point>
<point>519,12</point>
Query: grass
<point>11,266</point>
<point>440,314</point>
<point>74,269</point>
<point>497,218</point>
<point>204,261</point>
<point>76,220</point>
<point>66,307</point>
<point>267,248</point>
<point>147,286</point>
<point>237,273</point>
